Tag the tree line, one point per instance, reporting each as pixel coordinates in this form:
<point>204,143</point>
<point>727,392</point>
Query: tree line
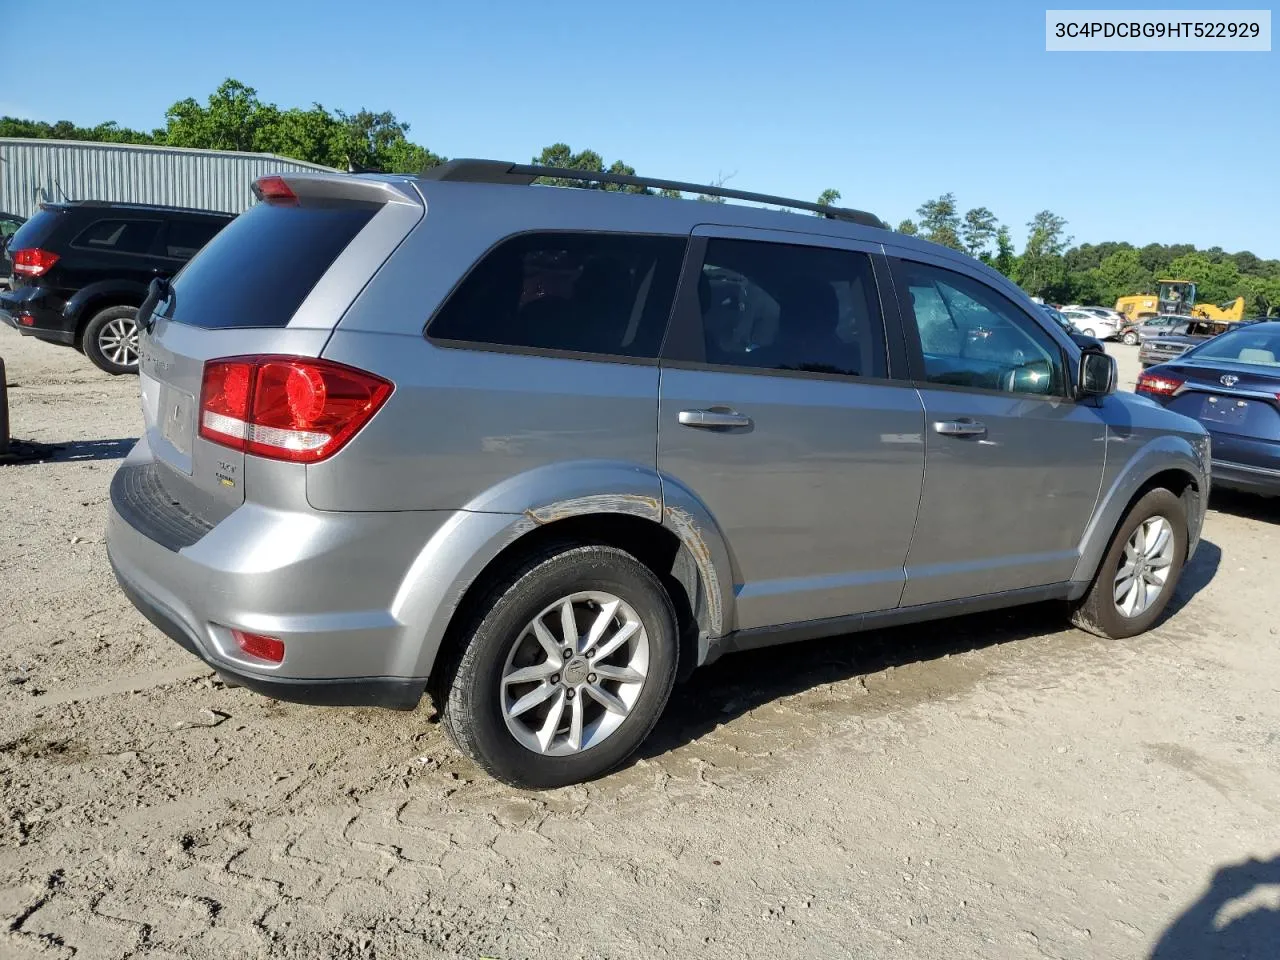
<point>234,118</point>
<point>1095,273</point>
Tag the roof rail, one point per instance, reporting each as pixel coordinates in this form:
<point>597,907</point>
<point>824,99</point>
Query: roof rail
<point>500,171</point>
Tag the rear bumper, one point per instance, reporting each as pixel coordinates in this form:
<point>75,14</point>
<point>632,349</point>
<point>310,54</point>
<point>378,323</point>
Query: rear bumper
<point>390,692</point>
<point>29,311</point>
<point>335,587</point>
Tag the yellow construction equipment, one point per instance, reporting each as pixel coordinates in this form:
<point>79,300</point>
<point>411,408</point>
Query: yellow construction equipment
<point>1177,297</point>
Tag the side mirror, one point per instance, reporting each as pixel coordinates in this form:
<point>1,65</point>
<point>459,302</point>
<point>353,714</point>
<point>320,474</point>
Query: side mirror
<point>1097,374</point>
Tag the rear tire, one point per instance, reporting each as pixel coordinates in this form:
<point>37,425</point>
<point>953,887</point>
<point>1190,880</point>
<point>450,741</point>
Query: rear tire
<point>110,340</point>
<point>1130,338</point>
<point>1109,609</point>
<point>536,747</point>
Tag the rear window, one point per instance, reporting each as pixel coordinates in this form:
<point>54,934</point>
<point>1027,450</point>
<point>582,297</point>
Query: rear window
<point>1244,346</point>
<point>578,292</point>
<point>118,236</point>
<point>35,231</point>
<point>258,269</point>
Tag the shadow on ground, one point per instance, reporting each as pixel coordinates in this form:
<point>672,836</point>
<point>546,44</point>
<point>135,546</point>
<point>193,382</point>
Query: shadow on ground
<point>1250,506</point>
<point>31,451</point>
<point>1238,917</point>
<point>742,682</point>
<point>77,450</point>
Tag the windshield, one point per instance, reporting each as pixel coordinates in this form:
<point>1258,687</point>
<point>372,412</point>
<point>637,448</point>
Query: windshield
<point>1261,347</point>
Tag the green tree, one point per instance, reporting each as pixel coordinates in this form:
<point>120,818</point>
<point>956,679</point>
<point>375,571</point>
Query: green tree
<point>232,119</point>
<point>939,221</point>
<point>909,228</point>
<point>1121,274</point>
<point>1006,259</point>
<point>1041,270</point>
<point>827,198</point>
<point>979,230</point>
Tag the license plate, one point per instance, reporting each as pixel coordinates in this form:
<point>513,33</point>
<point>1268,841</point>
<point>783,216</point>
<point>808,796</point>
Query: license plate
<point>1225,410</point>
<point>177,416</point>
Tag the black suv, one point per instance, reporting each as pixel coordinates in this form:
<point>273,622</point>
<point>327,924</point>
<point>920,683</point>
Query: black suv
<point>81,270</point>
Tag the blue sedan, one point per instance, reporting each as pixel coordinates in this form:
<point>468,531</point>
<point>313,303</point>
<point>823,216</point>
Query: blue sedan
<point>1231,384</point>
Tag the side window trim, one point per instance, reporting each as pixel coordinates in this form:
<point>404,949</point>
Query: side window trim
<point>915,348</point>
<point>685,344</point>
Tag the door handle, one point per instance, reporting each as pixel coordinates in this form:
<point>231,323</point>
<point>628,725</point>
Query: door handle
<point>960,428</point>
<point>714,418</point>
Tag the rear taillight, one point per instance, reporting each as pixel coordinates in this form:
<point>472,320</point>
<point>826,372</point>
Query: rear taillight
<point>260,647</point>
<point>1157,385</point>
<point>274,190</point>
<point>286,408</point>
<point>32,263</point>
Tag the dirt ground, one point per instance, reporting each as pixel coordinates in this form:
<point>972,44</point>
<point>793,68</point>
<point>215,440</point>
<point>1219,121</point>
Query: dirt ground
<point>999,786</point>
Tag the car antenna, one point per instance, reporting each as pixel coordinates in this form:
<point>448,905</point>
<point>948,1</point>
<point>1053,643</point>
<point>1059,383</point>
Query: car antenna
<point>61,191</point>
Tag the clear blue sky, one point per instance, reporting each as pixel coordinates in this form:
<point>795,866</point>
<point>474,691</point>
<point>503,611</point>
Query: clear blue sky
<point>889,102</point>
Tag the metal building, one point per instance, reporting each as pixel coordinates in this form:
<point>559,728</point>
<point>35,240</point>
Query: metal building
<point>39,171</point>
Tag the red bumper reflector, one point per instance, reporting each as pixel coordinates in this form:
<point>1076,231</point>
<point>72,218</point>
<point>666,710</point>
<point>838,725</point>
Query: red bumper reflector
<point>256,645</point>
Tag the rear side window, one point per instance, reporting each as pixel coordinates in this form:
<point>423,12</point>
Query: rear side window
<point>184,238</point>
<point>118,236</point>
<point>580,292</point>
<point>259,268</point>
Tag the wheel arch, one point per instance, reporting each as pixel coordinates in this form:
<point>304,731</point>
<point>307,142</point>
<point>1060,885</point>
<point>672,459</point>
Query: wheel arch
<point>1168,462</point>
<point>678,541</point>
<point>89,301</point>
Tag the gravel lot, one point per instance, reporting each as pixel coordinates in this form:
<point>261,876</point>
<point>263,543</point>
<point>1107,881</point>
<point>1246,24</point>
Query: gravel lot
<point>999,786</point>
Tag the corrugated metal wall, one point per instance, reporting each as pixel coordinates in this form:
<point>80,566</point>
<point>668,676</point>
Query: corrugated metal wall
<point>37,171</point>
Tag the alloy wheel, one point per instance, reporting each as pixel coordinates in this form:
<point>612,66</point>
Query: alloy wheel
<point>118,341</point>
<point>574,674</point>
<point>1144,568</point>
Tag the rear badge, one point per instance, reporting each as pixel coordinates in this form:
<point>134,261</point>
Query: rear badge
<point>1230,380</point>
<point>222,472</point>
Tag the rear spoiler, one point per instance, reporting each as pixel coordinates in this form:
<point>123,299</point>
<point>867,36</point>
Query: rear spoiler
<point>291,187</point>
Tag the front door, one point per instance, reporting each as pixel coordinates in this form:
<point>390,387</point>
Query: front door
<point>1012,464</point>
<point>777,413</point>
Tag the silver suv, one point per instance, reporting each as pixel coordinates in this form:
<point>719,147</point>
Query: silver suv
<point>541,451</point>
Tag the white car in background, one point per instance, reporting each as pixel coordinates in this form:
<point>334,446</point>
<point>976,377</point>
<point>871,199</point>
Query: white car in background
<point>1091,323</point>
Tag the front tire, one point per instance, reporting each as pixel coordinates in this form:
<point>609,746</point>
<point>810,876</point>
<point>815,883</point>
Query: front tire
<point>1089,332</point>
<point>1140,571</point>
<point>566,671</point>
<point>111,340</point>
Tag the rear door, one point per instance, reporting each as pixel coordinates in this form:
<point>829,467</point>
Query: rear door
<point>778,413</point>
<point>1012,464</point>
<point>274,281</point>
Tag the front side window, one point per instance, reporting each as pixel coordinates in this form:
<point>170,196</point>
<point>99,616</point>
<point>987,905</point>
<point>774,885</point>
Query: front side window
<point>787,307</point>
<point>972,336</point>
<point>119,236</point>
<point>579,292</point>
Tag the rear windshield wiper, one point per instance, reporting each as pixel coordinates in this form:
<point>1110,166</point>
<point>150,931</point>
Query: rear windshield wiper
<point>159,290</point>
